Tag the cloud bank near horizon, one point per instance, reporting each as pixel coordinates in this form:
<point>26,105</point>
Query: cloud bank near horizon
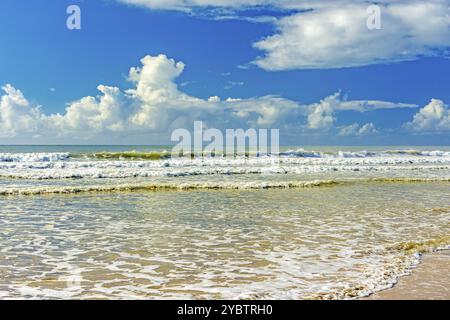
<point>155,104</point>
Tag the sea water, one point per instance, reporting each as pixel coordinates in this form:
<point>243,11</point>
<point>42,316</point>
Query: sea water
<point>132,222</point>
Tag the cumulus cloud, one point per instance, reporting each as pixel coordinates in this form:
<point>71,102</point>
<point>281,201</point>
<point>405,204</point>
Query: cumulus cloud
<point>155,104</point>
<point>356,130</point>
<point>333,34</point>
<point>435,116</point>
<point>92,114</point>
<point>337,36</point>
<point>322,115</point>
<point>17,115</point>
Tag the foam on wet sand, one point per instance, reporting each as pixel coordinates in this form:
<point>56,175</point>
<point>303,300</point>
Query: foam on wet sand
<point>429,280</point>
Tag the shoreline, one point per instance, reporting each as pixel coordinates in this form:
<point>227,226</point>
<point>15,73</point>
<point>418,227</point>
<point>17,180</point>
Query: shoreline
<point>429,280</point>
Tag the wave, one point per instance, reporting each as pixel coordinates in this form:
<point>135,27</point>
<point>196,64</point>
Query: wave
<point>132,155</point>
<point>34,157</point>
<point>40,166</point>
<point>414,247</point>
<point>164,154</point>
<point>363,154</point>
<point>192,186</point>
<point>166,187</point>
<point>95,170</point>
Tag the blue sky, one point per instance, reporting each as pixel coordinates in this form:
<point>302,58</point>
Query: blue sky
<point>314,88</point>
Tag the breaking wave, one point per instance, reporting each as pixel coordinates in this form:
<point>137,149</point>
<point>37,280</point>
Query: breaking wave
<point>192,186</point>
<point>132,155</point>
<point>141,170</point>
<point>34,157</point>
<point>166,187</point>
<point>164,154</point>
<point>364,154</point>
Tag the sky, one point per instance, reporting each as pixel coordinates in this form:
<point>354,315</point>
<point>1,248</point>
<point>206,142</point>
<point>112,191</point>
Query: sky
<point>322,72</point>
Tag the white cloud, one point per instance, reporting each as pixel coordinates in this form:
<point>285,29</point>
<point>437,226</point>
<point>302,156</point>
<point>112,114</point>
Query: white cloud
<point>435,116</point>
<point>92,115</point>
<point>322,115</point>
<point>264,111</point>
<point>357,130</point>
<point>368,128</point>
<point>337,36</point>
<point>17,115</point>
<point>155,104</point>
<point>369,105</point>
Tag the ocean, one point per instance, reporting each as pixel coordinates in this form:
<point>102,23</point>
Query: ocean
<point>131,222</point>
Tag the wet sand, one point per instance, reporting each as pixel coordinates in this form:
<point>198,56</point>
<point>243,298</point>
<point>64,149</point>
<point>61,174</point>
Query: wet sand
<point>430,280</point>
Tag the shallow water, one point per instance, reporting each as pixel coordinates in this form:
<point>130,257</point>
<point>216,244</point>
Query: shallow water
<point>344,230</point>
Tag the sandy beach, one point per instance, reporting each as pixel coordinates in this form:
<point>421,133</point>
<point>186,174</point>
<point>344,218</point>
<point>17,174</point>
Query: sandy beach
<point>430,280</point>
